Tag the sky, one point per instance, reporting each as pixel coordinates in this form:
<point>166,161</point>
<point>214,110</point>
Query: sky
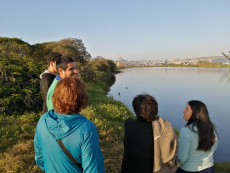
<point>134,29</point>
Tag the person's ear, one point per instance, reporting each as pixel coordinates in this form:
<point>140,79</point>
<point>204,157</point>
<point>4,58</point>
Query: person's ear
<point>60,72</point>
<point>52,64</point>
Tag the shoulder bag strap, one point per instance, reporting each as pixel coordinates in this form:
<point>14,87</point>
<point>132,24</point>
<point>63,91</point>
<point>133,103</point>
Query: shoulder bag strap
<point>69,155</point>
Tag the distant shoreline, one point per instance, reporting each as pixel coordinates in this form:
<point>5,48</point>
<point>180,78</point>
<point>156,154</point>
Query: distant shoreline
<point>223,66</point>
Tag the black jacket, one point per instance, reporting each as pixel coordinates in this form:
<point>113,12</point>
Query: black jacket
<point>138,147</point>
<point>46,80</point>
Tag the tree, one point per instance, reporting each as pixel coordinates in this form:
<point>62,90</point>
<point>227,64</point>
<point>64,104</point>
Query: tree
<point>21,65</point>
<point>74,48</point>
<point>14,47</point>
<point>68,46</point>
<point>19,77</point>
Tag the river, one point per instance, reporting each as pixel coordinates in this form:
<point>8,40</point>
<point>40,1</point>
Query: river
<point>173,87</point>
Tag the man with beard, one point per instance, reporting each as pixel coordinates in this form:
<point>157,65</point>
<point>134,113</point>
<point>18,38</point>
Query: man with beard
<point>66,67</point>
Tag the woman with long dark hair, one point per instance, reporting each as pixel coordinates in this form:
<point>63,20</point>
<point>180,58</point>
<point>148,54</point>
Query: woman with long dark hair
<point>197,141</point>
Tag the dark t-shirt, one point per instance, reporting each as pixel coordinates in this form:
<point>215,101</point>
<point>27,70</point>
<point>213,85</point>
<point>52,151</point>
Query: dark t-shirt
<point>46,81</point>
<point>138,147</point>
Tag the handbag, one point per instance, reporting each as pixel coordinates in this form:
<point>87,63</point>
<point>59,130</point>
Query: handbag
<point>69,155</point>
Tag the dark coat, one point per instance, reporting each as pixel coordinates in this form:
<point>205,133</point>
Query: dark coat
<point>138,147</point>
<point>46,81</point>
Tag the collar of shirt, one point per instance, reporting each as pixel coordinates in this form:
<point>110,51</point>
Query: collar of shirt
<point>58,78</point>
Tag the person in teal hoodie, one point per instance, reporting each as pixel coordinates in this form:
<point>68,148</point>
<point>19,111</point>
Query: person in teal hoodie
<point>66,67</point>
<point>78,135</point>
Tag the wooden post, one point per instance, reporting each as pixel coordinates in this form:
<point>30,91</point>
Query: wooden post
<point>225,55</point>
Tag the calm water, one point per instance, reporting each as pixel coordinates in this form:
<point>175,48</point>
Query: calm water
<point>174,87</point>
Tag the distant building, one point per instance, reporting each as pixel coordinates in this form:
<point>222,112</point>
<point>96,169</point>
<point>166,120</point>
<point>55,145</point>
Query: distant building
<point>164,61</point>
<point>120,64</point>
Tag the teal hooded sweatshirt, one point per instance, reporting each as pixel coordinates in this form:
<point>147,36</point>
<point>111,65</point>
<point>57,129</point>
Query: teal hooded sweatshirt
<point>79,136</point>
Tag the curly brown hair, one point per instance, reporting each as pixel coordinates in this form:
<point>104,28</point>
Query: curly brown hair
<point>70,96</point>
<point>145,107</point>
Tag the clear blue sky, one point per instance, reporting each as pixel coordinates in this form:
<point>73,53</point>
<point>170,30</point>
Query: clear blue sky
<point>136,29</point>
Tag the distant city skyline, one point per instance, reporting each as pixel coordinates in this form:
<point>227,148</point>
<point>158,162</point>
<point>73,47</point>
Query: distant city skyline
<point>150,29</point>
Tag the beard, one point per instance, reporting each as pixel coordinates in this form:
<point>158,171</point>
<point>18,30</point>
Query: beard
<point>76,75</point>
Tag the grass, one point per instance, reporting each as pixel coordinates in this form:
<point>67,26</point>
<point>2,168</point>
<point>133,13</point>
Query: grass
<point>16,143</point>
<point>222,167</point>
<point>17,132</point>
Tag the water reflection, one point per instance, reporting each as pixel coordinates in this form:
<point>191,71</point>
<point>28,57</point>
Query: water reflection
<point>226,76</point>
<point>179,70</point>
